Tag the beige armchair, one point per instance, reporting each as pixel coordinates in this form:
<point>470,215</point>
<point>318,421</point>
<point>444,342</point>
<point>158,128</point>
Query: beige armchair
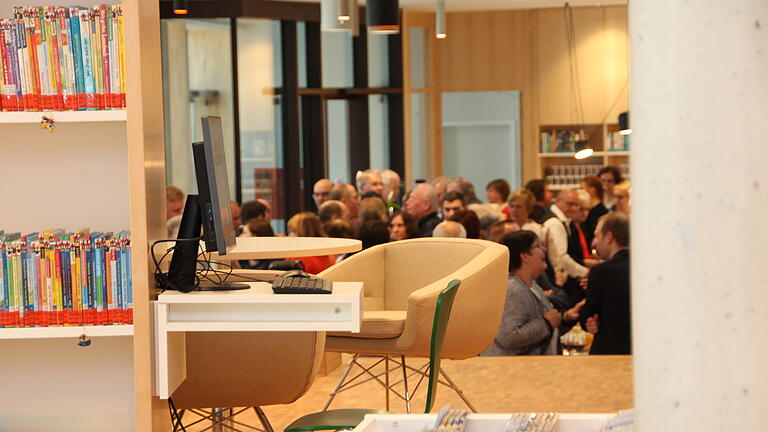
<point>244,369</point>
<point>402,280</point>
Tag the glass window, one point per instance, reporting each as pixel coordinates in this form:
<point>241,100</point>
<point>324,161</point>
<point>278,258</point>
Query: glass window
<point>338,140</point>
<point>378,60</point>
<point>418,56</point>
<point>419,136</point>
<point>259,73</point>
<point>378,130</point>
<point>337,59</point>
<point>197,78</point>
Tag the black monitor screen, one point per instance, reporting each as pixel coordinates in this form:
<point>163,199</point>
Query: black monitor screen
<point>213,188</point>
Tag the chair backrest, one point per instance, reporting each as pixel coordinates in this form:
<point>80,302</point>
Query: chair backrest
<point>439,328</point>
<point>240,369</point>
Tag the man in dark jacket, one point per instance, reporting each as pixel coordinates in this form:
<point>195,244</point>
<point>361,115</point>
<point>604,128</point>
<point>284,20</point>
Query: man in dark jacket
<point>607,303</point>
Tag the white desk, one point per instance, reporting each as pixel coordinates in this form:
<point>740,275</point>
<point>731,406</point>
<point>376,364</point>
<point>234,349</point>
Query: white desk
<point>255,309</point>
<point>284,247</point>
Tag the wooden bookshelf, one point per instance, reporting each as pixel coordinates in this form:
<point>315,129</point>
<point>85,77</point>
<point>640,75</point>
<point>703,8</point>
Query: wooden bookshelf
<point>564,163</point>
<point>104,170</point>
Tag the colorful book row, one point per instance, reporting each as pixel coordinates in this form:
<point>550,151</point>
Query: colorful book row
<point>54,278</point>
<point>56,58</point>
<point>618,142</point>
<point>558,141</point>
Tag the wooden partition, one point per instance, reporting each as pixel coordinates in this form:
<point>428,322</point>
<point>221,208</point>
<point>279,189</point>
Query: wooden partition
<point>526,50</point>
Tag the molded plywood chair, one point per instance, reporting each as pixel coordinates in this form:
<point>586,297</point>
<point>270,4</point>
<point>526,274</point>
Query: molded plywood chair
<point>244,369</point>
<point>402,281</point>
<point>349,418</point>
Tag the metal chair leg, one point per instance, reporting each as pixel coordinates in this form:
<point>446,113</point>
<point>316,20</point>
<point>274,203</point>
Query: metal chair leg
<point>386,380</point>
<point>341,382</point>
<point>405,384</point>
<point>176,416</point>
<point>457,390</point>
<point>263,419</point>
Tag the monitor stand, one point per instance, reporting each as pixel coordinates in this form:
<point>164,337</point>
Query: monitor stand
<point>226,286</point>
<point>182,273</point>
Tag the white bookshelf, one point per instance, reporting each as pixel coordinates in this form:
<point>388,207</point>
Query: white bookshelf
<point>65,332</point>
<point>22,117</point>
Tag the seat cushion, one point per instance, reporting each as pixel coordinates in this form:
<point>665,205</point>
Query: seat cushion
<point>378,325</point>
<point>331,420</point>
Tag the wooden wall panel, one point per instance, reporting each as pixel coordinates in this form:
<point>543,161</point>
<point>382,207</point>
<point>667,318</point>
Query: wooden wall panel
<point>487,50</point>
<point>526,50</point>
<point>496,50</point>
<point>602,54</point>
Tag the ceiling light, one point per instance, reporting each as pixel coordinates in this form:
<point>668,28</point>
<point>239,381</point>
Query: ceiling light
<point>343,12</point>
<point>339,15</point>
<point>440,20</point>
<point>583,150</point>
<point>180,7</point>
<point>383,16</point>
<point>624,123</point>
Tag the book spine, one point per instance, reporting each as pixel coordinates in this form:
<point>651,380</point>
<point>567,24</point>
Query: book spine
<point>49,284</point>
<point>98,77</point>
<point>88,78</point>
<point>129,296</point>
<point>21,42</point>
<point>10,102</point>
<point>92,282</point>
<point>65,60</point>
<point>103,24</point>
<point>34,73</point>
<point>14,58</point>
<point>121,53</point>
<point>41,46</point>
<point>114,72</point>
<point>50,49</point>
<point>66,276</point>
<point>13,306</point>
<point>77,57</point>
<point>77,309</point>
<point>57,58</point>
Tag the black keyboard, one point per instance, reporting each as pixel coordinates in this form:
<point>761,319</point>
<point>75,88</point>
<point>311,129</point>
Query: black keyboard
<point>301,285</point>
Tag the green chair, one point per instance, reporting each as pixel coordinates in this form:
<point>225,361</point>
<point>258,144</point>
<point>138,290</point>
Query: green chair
<point>350,418</point>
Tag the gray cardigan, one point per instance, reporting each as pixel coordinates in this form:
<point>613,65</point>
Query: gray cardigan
<point>523,330</point>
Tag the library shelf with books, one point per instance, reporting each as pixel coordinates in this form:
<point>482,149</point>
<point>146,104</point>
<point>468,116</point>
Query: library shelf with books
<point>557,149</point>
<point>63,116</point>
<point>67,332</point>
<point>104,170</point>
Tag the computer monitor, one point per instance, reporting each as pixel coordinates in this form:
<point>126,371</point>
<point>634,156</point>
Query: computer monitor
<point>210,210</point>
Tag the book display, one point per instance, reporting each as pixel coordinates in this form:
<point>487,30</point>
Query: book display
<point>558,145</point>
<point>56,58</point>
<point>75,305</point>
<point>52,279</point>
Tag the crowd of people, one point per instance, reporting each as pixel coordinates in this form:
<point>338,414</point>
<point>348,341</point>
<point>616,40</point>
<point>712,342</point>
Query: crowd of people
<point>569,251</point>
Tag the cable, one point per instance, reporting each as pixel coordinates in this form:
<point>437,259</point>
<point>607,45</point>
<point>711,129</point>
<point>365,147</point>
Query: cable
<point>160,277</point>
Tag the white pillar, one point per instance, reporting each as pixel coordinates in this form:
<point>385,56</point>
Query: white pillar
<point>699,110</point>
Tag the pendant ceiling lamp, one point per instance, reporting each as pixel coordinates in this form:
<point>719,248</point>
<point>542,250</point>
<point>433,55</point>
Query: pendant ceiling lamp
<point>180,7</point>
<point>339,15</point>
<point>343,13</point>
<point>624,128</point>
<point>383,16</point>
<point>440,20</point>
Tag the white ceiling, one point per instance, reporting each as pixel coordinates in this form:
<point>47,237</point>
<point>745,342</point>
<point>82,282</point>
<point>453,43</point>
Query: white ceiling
<point>464,5</point>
